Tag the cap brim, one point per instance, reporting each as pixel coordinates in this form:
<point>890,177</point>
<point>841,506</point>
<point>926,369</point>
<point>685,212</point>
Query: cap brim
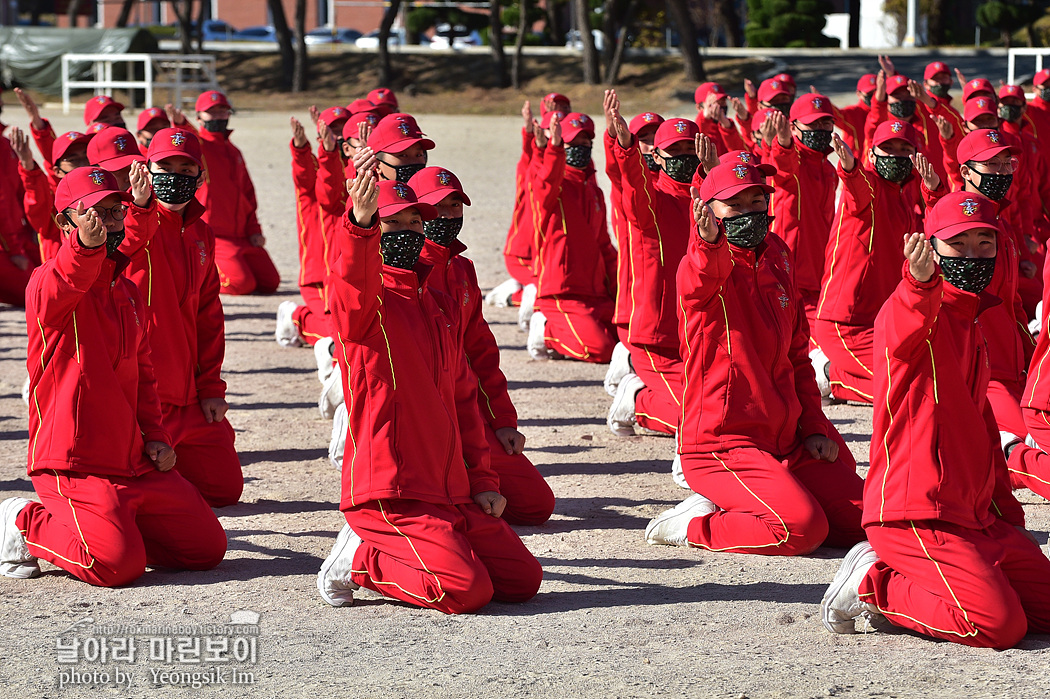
<point>95,197</point>
<point>426,211</point>
<point>404,144</point>
<point>955,229</point>
<point>568,135</point>
<point>119,163</point>
<point>69,144</point>
<point>734,189</point>
<point>814,116</point>
<point>991,152</point>
<point>435,197</point>
<point>161,155</point>
<point>672,140</point>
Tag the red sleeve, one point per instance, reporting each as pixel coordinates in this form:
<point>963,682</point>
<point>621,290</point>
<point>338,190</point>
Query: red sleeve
<point>1004,504</point>
<point>251,226</point>
<point>357,280</point>
<point>39,203</point>
<point>45,141</point>
<point>752,104</point>
<point>784,158</point>
<point>910,314</point>
<point>612,166</point>
<point>731,137</point>
<point>931,196</point>
<point>58,286</point>
<point>878,113</point>
<point>476,454</point>
<point>858,187</point>
<point>331,182</point>
<point>704,270</point>
<point>140,226</point>
<point>304,169</point>
<point>483,355</point>
<point>639,208</point>
<point>547,178</point>
<point>211,329</point>
<point>148,403</point>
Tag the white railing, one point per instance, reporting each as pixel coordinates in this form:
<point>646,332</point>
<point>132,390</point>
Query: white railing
<point>1011,57</point>
<point>193,73</point>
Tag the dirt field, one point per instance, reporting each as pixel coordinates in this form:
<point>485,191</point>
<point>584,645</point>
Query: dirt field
<point>614,617</point>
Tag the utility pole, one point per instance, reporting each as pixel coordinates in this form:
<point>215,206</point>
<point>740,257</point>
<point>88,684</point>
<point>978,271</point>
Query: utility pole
<point>909,36</point>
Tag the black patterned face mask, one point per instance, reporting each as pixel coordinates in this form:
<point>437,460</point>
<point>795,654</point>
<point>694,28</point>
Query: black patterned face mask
<point>1010,112</point>
<point>784,108</point>
<point>939,90</point>
<point>1044,93</point>
<point>650,162</point>
<point>113,241</point>
<point>994,186</point>
<point>403,173</point>
<point>905,109</point>
<point>681,168</point>
<point>577,156</point>
<point>866,99</point>
<point>443,230</point>
<point>819,141</point>
<point>972,274</point>
<point>893,168</point>
<point>174,187</point>
<point>747,230</point>
<point>216,125</point>
<point>401,248</point>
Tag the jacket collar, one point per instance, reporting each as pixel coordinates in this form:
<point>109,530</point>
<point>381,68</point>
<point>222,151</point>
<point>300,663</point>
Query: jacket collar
<point>193,211</point>
<point>214,136</point>
<point>968,304</point>
<point>439,255</point>
<point>406,282</point>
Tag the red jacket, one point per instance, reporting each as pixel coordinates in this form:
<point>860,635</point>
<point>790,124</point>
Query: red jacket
<point>45,142</point>
<point>574,253</point>
<point>521,234</point>
<point>40,210</point>
<point>935,445</point>
<point>659,214</point>
<point>620,229</point>
<point>414,427</point>
<point>851,119</point>
<point>228,194</point>
<point>866,247</point>
<point>1033,166</point>
<point>1037,389</point>
<point>173,265</point>
<point>92,391</point>
<point>320,194</point>
<point>926,129</point>
<point>16,235</point>
<point>745,344</point>
<point>1038,115</point>
<point>803,208</point>
<point>453,275</point>
<point>725,139</point>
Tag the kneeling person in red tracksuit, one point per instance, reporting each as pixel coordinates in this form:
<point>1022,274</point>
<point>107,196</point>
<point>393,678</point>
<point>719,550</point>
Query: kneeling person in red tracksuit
<point>100,460</point>
<point>419,497</point>
<point>777,478</point>
<point>530,500</point>
<point>172,253</point>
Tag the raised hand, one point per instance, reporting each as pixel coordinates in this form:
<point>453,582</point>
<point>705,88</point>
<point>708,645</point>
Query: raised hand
<point>610,105</point>
<point>919,253</point>
<point>704,218</point>
<point>315,114</point>
<point>298,134</point>
<point>944,127</point>
<point>706,151</point>
<point>919,93</point>
<point>738,107</point>
<point>364,193</point>
<point>31,109</point>
<point>845,155</point>
<point>20,144</point>
<point>960,77</point>
<point>90,230</point>
<point>778,125</point>
<point>326,136</point>
<point>556,131</point>
<point>541,137</point>
<point>141,189</point>
<point>623,134</point>
<point>526,114</point>
<point>175,115</point>
<point>364,130</point>
<point>712,109</point>
<point>749,89</point>
<point>887,66</point>
<point>925,169</point>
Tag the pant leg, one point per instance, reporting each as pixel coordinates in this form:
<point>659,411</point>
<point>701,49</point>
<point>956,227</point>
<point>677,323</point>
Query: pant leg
<point>514,571</point>
<point>850,348</point>
<point>579,329</point>
<point>530,501</point>
<point>1030,468</point>
<point>949,582</point>
<point>838,489</point>
<point>13,282</point>
<point>267,278</point>
<point>810,301</point>
<point>235,276</point>
<point>419,553</point>
<point>764,509</point>
<point>658,406</point>
<point>85,525</point>
<point>312,320</point>
<point>178,528</point>
<point>205,453</point>
<point>520,268</point>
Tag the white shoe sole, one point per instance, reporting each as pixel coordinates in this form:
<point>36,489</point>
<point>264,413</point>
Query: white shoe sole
<point>846,569</point>
<point>620,420</point>
<point>22,568</point>
<point>528,306</point>
<point>692,507</point>
<point>331,395</point>
<point>286,333</point>
<point>501,296</point>
<point>619,367</point>
<point>323,357</point>
<point>341,598</point>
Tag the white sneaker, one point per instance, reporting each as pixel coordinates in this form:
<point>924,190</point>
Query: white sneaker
<point>1030,441</point>
<point>500,297</point>
<point>25,391</point>
<point>15,559</point>
<point>324,355</point>
<point>336,446</point>
<point>536,345</point>
<point>621,419</point>
<point>820,363</point>
<point>528,306</point>
<point>671,528</point>
<point>1035,325</point>
<point>333,580</point>
<point>286,334</point>
<point>1008,441</point>
<point>619,367</point>
<point>331,394</point>
<point>841,604</point>
<point>677,474</point>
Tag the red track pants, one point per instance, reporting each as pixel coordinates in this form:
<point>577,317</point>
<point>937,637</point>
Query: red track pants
<point>775,506</point>
<point>984,588</point>
<point>658,406</point>
<point>453,558</point>
<point>244,268</point>
<point>105,530</point>
<point>313,321</point>
<point>530,501</point>
<point>579,328</point>
<point>205,455</point>
<point>520,268</point>
<point>1030,468</point>
<point>850,348</point>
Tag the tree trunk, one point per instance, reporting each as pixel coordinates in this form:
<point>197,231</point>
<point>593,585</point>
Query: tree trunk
<point>935,26</point>
<point>1031,36</point>
<point>73,11</point>
<point>519,43</point>
<point>301,71</point>
<point>184,13</point>
<point>854,24</point>
<point>1004,34</point>
<point>694,66</point>
<point>284,42</point>
<point>499,58</point>
<point>385,70</point>
<point>612,68</point>
<point>590,54</point>
<point>199,33</point>
<point>125,13</point>
<point>725,14</point>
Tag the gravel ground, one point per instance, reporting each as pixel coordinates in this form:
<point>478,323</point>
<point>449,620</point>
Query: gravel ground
<point>614,617</point>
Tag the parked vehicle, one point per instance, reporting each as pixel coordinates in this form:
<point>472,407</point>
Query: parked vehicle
<point>213,30</point>
<point>397,38</point>
<point>456,37</point>
<point>265,33</point>
<point>329,35</point>
<point>573,40</point>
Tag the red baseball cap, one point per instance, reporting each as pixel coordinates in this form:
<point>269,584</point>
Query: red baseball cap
<point>350,128</point>
<point>935,68</point>
<point>96,127</point>
<point>983,144</point>
<point>866,84</point>
<point>979,105</point>
<point>739,156</point>
<point>358,106</point>
<point>773,87</point>
<point>643,120</point>
<point>333,116</point>
<point>432,184</point>
<point>574,124</point>
<point>1012,91</point>
<point>169,142</point>
<point>760,117</point>
<point>397,196</point>
<point>977,85</point>
<point>675,130</point>
<point>383,96</point>
<point>728,179</point>
<point>895,128</point>
<point>555,98</point>
<point>66,141</point>
<point>148,116</point>
<point>545,120</point>
<point>700,96</point>
<point>211,98</point>
<point>1042,77</point>
<point>896,82</point>
<point>811,107</point>
<point>89,185</point>
<point>958,212</point>
<point>395,133</point>
<point>97,105</point>
<point>786,78</point>
<point>114,148</point>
